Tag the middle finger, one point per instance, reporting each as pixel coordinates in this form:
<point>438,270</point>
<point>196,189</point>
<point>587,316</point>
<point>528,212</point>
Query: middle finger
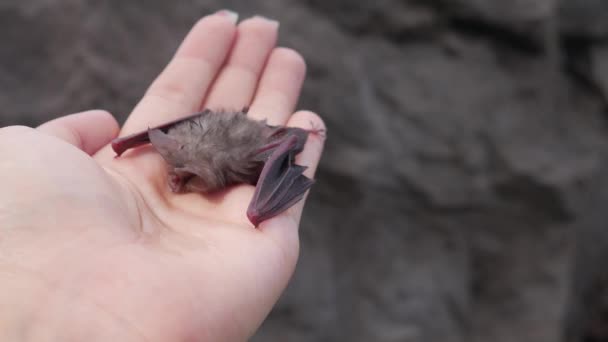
<point>179,89</point>
<point>236,83</point>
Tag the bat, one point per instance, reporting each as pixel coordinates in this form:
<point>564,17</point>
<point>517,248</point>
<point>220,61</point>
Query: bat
<point>211,150</point>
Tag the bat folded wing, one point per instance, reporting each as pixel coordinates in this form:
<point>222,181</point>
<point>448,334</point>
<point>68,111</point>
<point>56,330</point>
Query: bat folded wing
<point>120,145</point>
<point>281,183</point>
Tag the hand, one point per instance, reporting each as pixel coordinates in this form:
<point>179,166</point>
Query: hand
<point>94,247</point>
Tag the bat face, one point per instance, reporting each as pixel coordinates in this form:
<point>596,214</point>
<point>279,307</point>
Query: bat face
<point>210,151</point>
<point>216,150</point>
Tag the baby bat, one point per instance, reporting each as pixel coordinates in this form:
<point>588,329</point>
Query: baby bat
<point>209,151</point>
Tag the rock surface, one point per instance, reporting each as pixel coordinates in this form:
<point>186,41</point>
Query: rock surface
<point>465,153</point>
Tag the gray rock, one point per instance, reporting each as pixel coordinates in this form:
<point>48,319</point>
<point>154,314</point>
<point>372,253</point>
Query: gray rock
<point>387,17</point>
<point>504,12</point>
<point>449,196</point>
<point>584,18</point>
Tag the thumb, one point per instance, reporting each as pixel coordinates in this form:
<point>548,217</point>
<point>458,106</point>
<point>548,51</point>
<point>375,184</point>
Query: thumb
<point>88,131</point>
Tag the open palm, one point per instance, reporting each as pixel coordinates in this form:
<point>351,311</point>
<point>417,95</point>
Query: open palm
<point>100,245</point>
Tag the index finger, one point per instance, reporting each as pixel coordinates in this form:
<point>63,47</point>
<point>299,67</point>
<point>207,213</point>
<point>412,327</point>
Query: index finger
<point>182,85</point>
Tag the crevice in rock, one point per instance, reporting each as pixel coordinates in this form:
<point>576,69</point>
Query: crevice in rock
<point>532,195</point>
<point>577,63</point>
<point>494,33</point>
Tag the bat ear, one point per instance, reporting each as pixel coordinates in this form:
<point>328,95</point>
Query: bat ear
<point>164,144</point>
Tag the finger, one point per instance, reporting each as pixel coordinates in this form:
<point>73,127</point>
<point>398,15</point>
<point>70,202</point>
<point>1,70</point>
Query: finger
<point>236,83</point>
<point>313,149</point>
<point>180,88</point>
<point>88,131</point>
<point>309,157</point>
<point>279,87</point>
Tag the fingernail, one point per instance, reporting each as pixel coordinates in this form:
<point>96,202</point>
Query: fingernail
<point>233,16</point>
<point>275,22</point>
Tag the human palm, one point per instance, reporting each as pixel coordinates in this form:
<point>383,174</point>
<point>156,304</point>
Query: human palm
<point>104,243</point>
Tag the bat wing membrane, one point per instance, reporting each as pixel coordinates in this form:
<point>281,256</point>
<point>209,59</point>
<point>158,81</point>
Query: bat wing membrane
<point>281,183</point>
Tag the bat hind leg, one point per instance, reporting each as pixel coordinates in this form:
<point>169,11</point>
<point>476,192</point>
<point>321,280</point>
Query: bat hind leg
<point>178,179</point>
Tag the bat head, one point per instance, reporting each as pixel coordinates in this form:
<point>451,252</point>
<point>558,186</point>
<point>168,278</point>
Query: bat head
<point>216,150</point>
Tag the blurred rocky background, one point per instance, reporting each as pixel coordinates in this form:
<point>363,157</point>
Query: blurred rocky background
<point>463,195</point>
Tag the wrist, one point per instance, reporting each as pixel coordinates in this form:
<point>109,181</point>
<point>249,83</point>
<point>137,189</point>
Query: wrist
<point>31,311</point>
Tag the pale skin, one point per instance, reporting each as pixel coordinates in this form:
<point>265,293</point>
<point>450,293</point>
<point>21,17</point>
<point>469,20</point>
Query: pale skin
<point>97,248</point>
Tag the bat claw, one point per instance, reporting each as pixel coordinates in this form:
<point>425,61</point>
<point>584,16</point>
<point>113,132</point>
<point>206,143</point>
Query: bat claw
<point>317,130</point>
<point>255,219</point>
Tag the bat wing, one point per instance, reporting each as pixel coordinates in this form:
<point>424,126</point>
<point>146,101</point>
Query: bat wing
<point>120,145</point>
<point>167,146</point>
<point>278,135</point>
<point>281,183</point>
